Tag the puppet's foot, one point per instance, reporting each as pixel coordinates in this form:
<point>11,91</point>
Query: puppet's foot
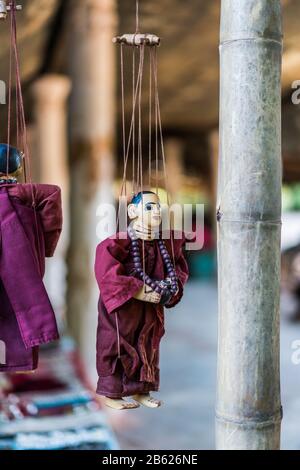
<point>25,372</point>
<point>120,404</point>
<point>147,400</point>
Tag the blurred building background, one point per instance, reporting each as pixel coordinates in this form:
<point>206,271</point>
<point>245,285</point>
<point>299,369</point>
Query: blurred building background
<point>71,80</point>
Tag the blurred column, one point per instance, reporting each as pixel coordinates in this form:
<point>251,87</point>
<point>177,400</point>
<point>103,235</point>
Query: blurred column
<point>93,71</point>
<point>174,150</point>
<point>50,98</point>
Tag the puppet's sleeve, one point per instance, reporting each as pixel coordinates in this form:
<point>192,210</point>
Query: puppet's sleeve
<point>116,287</point>
<point>182,271</point>
<point>22,280</point>
<point>49,207</point>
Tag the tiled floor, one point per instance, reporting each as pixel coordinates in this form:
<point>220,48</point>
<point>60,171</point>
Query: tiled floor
<point>188,373</point>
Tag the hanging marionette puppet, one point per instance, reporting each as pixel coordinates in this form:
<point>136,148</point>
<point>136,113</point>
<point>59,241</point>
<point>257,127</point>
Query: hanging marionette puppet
<point>138,272</point>
<point>30,225</point>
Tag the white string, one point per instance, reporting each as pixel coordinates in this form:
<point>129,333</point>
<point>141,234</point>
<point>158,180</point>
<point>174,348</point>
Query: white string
<point>137,20</point>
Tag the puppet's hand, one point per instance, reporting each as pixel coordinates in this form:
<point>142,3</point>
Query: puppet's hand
<point>170,280</point>
<point>148,296</point>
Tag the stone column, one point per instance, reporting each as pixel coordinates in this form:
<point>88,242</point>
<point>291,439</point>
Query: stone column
<point>214,161</point>
<point>51,161</point>
<point>92,69</point>
<point>249,225</point>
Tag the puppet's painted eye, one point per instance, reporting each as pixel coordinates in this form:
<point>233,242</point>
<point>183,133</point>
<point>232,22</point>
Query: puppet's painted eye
<point>148,207</point>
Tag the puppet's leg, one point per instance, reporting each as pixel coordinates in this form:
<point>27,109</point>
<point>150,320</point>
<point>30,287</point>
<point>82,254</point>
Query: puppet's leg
<point>120,404</point>
<point>147,400</point>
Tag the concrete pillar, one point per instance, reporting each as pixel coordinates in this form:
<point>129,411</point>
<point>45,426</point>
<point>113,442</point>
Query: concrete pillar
<point>92,68</point>
<point>214,162</point>
<point>249,209</point>
<point>50,94</point>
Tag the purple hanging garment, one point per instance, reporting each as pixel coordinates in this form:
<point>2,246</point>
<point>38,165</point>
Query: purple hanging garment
<point>27,319</point>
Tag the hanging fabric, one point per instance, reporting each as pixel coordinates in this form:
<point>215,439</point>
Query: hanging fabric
<point>15,81</point>
<point>30,226</point>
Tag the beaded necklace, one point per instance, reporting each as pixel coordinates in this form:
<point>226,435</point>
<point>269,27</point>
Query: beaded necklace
<point>8,181</point>
<point>163,287</point>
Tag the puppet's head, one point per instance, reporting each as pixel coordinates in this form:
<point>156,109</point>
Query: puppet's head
<point>10,161</point>
<point>145,210</point>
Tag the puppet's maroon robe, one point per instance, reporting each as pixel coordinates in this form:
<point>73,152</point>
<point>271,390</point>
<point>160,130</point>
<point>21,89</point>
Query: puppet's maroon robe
<point>27,319</point>
<point>129,330</point>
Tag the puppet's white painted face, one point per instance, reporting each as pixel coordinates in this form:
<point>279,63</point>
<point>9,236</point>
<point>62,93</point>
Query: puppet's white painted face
<point>147,212</point>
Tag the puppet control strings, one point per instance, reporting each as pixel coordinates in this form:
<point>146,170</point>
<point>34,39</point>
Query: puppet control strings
<point>8,10</point>
<point>139,44</point>
<point>142,45</point>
